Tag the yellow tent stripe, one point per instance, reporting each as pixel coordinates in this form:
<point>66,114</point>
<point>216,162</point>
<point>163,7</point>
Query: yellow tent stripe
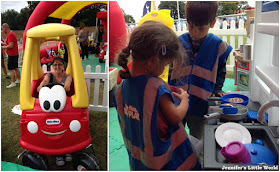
<point>69,9</point>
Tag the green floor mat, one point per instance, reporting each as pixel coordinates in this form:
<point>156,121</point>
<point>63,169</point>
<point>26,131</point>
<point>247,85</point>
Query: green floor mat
<point>118,157</point>
<point>7,166</point>
<point>114,65</point>
<point>229,85</point>
<point>93,61</point>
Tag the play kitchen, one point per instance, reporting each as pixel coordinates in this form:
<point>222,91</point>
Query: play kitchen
<point>245,135</point>
<point>234,138</point>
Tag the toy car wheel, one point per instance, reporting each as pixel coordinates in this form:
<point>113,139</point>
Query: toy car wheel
<point>35,161</point>
<point>87,162</point>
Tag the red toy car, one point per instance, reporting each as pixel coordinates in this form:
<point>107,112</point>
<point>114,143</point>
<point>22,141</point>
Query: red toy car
<point>54,122</point>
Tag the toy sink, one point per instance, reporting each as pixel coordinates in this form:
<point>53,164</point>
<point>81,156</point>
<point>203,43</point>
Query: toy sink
<point>213,159</point>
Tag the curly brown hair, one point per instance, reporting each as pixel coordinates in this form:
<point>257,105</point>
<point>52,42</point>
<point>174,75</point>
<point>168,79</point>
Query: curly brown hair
<point>148,41</point>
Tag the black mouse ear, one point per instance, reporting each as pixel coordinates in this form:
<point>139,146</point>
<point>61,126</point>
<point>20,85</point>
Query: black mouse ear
<point>50,85</point>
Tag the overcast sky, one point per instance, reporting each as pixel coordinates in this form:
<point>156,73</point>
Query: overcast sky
<point>16,5</point>
<point>134,8</point>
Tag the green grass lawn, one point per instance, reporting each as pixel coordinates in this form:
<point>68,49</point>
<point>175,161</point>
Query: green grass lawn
<point>10,128</point>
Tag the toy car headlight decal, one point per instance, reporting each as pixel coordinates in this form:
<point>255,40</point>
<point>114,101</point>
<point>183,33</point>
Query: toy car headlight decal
<point>45,99</point>
<point>59,98</point>
<point>32,127</point>
<point>52,100</point>
<point>75,126</point>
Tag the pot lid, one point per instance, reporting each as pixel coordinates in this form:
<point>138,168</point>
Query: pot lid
<point>260,155</point>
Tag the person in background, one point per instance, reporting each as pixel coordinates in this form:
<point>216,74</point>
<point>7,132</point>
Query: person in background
<point>83,39</point>
<point>65,58</point>
<point>2,60</point>
<point>99,39</point>
<point>11,48</point>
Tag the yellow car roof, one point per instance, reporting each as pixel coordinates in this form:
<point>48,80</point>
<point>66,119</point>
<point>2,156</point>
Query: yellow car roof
<point>50,30</point>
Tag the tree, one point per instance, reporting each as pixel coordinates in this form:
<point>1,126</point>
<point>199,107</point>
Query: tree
<point>88,15</point>
<point>128,18</point>
<point>32,5</point>
<point>227,7</point>
<point>172,6</point>
<point>9,17</point>
<point>243,5</point>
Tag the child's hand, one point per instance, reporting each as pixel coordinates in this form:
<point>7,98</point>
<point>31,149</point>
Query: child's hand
<point>174,114</point>
<point>221,94</point>
<point>67,87</point>
<point>39,88</point>
<point>182,96</point>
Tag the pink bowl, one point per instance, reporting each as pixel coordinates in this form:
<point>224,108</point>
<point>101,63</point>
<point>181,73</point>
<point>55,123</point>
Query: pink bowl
<point>236,152</point>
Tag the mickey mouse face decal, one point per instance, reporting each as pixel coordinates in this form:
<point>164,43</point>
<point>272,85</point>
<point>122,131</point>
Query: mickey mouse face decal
<point>52,100</point>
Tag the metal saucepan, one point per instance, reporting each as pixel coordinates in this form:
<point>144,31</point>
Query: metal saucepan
<point>231,112</point>
<point>225,98</point>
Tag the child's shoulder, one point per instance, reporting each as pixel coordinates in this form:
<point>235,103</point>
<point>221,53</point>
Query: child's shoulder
<point>214,37</point>
<point>157,82</point>
<point>155,79</point>
<point>184,39</point>
<point>184,36</point>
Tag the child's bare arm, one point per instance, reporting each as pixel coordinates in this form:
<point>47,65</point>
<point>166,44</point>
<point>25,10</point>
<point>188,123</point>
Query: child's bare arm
<point>172,114</point>
<point>46,80</point>
<point>67,84</point>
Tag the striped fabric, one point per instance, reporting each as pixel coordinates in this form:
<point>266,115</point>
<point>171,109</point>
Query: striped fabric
<point>146,150</point>
<point>199,76</point>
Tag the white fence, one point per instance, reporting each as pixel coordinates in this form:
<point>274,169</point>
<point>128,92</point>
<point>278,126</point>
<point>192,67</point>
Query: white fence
<point>240,32</point>
<point>98,77</point>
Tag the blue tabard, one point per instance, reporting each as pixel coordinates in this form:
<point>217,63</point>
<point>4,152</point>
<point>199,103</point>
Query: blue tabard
<point>201,77</point>
<point>137,101</point>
